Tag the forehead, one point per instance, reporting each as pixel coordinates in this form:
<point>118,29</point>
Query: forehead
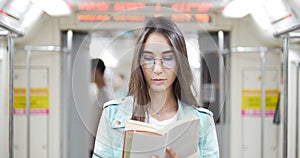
<point>157,43</point>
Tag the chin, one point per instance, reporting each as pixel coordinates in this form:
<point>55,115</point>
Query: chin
<point>158,88</point>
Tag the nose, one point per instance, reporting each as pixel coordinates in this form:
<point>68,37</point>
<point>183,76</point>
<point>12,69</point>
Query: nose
<point>157,67</point>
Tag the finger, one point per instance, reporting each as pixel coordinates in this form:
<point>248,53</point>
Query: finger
<point>155,156</point>
<point>171,152</point>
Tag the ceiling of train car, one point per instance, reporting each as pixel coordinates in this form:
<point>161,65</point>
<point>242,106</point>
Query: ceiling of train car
<point>13,12</point>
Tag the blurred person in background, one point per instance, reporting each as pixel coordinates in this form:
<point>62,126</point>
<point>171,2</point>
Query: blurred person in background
<point>120,86</point>
<point>101,92</point>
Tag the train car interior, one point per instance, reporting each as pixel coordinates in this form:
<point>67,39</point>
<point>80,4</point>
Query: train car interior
<point>244,56</point>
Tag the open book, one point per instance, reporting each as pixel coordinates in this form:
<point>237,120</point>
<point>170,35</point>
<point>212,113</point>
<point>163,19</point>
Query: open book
<point>142,140</point>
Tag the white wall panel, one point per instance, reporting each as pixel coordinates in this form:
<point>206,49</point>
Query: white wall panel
<point>246,129</point>
<point>294,59</point>
<point>4,122</point>
<point>39,125</point>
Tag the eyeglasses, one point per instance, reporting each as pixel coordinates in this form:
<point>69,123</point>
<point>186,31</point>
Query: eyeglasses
<point>168,62</point>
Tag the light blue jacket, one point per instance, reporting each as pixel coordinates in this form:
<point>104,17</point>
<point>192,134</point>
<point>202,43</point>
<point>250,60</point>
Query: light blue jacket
<point>109,139</point>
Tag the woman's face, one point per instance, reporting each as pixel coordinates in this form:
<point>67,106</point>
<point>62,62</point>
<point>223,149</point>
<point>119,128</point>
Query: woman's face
<point>158,63</point>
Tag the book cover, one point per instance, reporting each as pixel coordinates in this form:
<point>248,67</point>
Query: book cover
<point>142,140</point>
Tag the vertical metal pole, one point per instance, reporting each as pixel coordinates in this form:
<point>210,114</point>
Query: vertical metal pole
<point>221,88</point>
<point>285,92</point>
<point>67,63</point>
<point>221,69</point>
<point>297,112</point>
<point>11,93</point>
<point>28,101</point>
<point>227,103</point>
<point>263,97</point>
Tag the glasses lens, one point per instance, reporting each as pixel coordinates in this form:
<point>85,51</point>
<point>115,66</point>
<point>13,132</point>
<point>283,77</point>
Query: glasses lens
<point>169,62</point>
<point>147,62</point>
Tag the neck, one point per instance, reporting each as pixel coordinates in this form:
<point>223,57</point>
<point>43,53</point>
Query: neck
<point>162,101</point>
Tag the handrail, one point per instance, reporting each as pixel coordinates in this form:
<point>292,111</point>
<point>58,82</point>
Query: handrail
<point>285,93</point>
<point>294,35</point>
<point>286,31</point>
<point>11,29</point>
<point>11,47</point>
<point>286,34</point>
<point>44,48</point>
<point>253,49</point>
<point>297,111</point>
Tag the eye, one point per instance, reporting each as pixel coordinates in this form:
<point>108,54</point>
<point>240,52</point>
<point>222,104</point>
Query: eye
<point>148,58</point>
<point>169,58</point>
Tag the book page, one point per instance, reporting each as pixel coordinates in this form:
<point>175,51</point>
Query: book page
<point>187,120</point>
<point>187,134</point>
<point>145,145</point>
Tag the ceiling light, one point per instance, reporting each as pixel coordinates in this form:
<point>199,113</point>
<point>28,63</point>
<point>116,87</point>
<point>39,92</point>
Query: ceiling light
<point>53,7</point>
<point>238,8</point>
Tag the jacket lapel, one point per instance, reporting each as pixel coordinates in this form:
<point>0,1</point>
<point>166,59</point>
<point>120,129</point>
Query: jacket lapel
<point>123,114</point>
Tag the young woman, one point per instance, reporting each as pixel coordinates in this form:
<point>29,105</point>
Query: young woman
<point>159,92</point>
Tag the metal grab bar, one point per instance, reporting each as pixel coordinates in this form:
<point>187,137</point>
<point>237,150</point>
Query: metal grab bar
<point>254,49</point>
<point>285,92</point>
<point>28,101</point>
<point>263,101</point>
<point>286,31</point>
<point>11,92</point>
<point>11,29</point>
<point>297,111</point>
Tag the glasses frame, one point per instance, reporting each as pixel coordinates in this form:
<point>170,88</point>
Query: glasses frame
<point>162,62</point>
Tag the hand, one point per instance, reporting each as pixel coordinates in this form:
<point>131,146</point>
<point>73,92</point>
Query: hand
<point>170,152</point>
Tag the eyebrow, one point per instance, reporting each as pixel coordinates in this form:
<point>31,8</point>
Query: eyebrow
<point>164,52</point>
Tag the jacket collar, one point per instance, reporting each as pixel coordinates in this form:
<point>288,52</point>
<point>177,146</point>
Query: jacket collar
<point>125,110</point>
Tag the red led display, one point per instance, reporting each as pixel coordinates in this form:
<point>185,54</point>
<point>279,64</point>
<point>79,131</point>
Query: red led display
<point>192,11</point>
<point>181,17</point>
<point>121,6</point>
<point>131,18</point>
<point>202,18</point>
<point>94,18</point>
<point>94,6</point>
<point>190,7</point>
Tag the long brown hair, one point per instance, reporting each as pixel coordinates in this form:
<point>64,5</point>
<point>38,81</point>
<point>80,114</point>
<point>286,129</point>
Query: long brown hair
<point>183,82</point>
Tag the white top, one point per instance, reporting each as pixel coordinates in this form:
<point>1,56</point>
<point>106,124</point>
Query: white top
<point>163,123</point>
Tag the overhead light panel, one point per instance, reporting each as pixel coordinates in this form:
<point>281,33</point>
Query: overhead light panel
<point>53,7</point>
<point>238,8</point>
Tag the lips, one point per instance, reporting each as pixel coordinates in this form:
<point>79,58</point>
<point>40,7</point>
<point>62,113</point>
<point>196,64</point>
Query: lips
<point>158,80</point>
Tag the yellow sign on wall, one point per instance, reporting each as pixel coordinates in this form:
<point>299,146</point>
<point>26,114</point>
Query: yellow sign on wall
<point>39,100</point>
<point>251,102</point>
